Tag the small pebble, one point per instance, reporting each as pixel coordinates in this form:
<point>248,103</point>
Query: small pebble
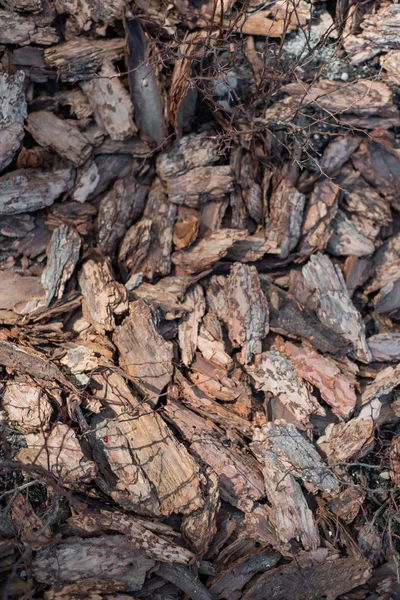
<point>344,76</point>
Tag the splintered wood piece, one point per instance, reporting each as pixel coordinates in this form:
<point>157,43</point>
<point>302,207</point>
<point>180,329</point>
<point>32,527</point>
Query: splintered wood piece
<point>385,347</point>
<point>58,452</point>
<point>186,230</point>
<point>336,388</point>
<point>144,354</point>
<point>311,575</point>
<point>196,400</point>
<point>295,455</point>
<point>247,319</point>
<point>273,372</point>
<point>141,534</point>
<point>320,210</point>
<point>27,406</point>
<point>210,342</point>
<point>80,58</point>
<point>283,225</point>
<point>287,317</point>
<point>102,295</point>
<point>23,29</point>
<point>118,209</point>
<point>13,114</point>
<point>199,185</point>
<point>386,380</point>
<point>258,526</point>
<point>189,152</point>
<point>111,103</point>
<point>289,513</point>
<point>63,138</point>
<point>341,441</point>
<point>334,306</point>
<point>204,253</point>
<point>189,325</point>
<point>199,527</point>
<point>110,557</point>
<point>62,255</point>
<point>145,93</point>
<point>172,473</point>
<point>30,529</point>
<point>22,295</point>
<point>229,583</point>
<point>363,101</point>
<point>27,190</point>
<point>239,477</point>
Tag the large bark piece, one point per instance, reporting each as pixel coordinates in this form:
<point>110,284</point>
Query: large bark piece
<point>170,470</point>
<point>62,256</point>
<point>273,372</point>
<point>103,296</point>
<point>27,406</point>
<point>336,388</point>
<point>22,30</point>
<point>320,210</point>
<point>144,354</point>
<point>311,576</point>
<point>27,190</point>
<point>334,306</point>
<point>283,226</point>
<point>63,138</point>
<point>247,319</point>
<point>12,116</point>
<point>111,103</point>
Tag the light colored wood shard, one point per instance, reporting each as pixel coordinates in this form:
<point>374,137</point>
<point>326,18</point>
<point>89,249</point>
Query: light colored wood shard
<point>341,441</point>
<point>334,306</point>
<point>65,139</point>
<point>336,387</point>
<point>171,472</point>
<point>204,253</point>
<point>27,190</point>
<point>22,295</point>
<point>289,514</point>
<point>215,382</point>
<point>106,558</point>
<point>86,182</point>
<point>295,455</point>
<point>247,319</point>
<point>27,406</point>
<point>273,372</point>
<point>239,476</point>
<point>103,296</point>
<point>283,225</point>
<point>58,452</point>
<point>189,325</point>
<point>144,354</point>
<point>62,255</point>
<point>111,103</point>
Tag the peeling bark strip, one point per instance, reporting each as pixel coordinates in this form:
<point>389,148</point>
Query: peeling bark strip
<point>247,320</point>
<point>62,256</point>
<point>189,325</point>
<point>334,306</point>
<point>145,355</point>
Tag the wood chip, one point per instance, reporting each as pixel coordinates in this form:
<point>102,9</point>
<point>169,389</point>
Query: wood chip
<point>62,255</point>
<point>189,325</point>
<point>334,306</point>
<point>27,406</point>
<point>283,226</point>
